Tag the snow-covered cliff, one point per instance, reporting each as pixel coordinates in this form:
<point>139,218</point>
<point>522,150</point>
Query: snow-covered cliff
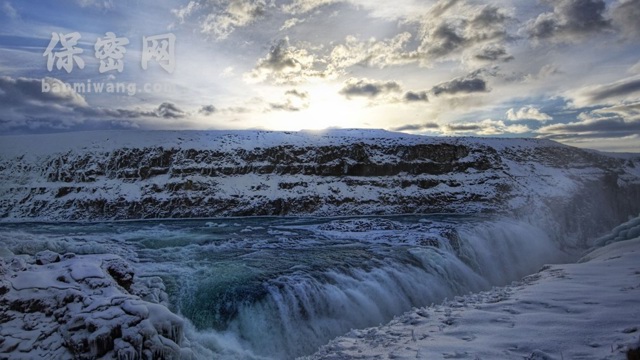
<point>186,174</point>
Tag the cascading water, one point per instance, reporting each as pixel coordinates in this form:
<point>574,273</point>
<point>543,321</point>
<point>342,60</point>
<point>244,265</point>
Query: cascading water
<point>280,288</point>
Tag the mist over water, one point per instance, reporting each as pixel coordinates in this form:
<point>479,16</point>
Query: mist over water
<point>282,287</point>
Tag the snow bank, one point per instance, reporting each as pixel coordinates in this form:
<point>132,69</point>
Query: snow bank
<point>84,307</point>
<point>588,310</point>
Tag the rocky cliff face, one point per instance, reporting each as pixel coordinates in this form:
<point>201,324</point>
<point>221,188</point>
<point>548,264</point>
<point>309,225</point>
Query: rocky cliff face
<point>136,175</point>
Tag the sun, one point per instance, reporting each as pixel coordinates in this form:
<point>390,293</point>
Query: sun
<point>328,109</point>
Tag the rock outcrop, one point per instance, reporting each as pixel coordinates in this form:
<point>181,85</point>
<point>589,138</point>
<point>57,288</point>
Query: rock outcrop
<point>56,306</point>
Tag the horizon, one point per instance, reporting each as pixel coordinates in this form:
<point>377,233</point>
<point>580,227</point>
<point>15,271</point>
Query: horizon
<point>566,70</point>
<point>323,132</point>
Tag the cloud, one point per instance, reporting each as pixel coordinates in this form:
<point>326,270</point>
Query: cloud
<point>297,93</point>
<point>227,72</point>
<point>463,127</point>
<point>207,110</point>
<point>9,10</point>
<point>221,18</point>
<point>286,64</point>
<point>47,103</point>
<point>285,106</point>
<point>598,127</point>
<point>28,94</point>
<point>570,20</point>
<point>464,85</point>
<point>527,113</point>
<point>454,26</point>
<point>411,96</point>
<point>623,90</point>
<point>25,104</point>
<point>368,88</point>
<point>304,6</point>
<point>289,23</point>
<point>417,127</point>
<point>493,53</point>
<point>545,72</point>
<point>295,100</point>
<point>484,127</point>
<point>101,4</point>
<point>186,11</point>
<point>169,110</point>
<point>625,16</point>
<point>447,29</point>
<point>629,111</point>
<point>372,53</point>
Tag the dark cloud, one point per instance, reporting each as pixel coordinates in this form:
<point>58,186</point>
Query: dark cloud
<point>488,17</point>
<point>297,93</point>
<point>493,53</point>
<point>286,64</point>
<point>451,31</point>
<point>294,100</point>
<point>417,127</point>
<point>368,88</point>
<point>445,39</point>
<point>463,127</point>
<point>626,111</point>
<point>169,110</point>
<point>48,104</point>
<point>279,57</point>
<point>485,127</point>
<point>594,128</point>
<point>619,89</point>
<point>38,94</point>
<point>626,16</point>
<point>207,110</point>
<point>285,106</point>
<point>411,96</point>
<point>466,85</point>
<point>570,20</point>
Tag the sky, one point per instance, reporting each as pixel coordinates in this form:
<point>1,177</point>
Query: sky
<point>566,70</point>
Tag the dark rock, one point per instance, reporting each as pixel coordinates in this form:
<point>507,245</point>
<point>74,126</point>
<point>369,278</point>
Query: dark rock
<point>120,271</point>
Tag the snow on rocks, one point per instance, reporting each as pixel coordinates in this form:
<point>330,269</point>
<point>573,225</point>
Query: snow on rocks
<point>201,174</point>
<point>84,307</point>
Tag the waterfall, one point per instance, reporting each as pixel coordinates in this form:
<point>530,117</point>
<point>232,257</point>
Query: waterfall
<point>302,310</point>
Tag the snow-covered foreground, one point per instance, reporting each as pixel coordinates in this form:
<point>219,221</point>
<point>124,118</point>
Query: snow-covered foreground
<point>84,307</point>
<point>586,310</point>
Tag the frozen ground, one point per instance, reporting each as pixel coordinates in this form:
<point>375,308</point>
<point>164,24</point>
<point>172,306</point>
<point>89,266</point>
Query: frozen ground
<point>84,307</point>
<point>586,310</point>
